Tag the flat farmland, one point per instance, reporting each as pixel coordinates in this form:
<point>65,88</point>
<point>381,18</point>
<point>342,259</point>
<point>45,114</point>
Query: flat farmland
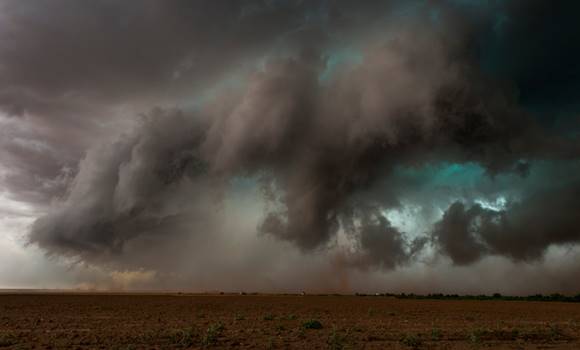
<point>184,321</point>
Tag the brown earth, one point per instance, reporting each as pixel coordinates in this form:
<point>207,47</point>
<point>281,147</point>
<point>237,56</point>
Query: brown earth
<point>140,321</point>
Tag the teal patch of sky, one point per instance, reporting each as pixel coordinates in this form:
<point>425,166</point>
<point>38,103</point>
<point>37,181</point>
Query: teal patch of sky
<point>407,8</point>
<point>244,183</point>
<point>476,3</point>
<point>337,58</point>
<point>443,174</point>
<point>554,174</point>
<point>472,180</point>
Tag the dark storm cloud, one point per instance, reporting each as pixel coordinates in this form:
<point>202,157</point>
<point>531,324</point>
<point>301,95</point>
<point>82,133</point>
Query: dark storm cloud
<point>325,149</point>
<point>113,49</point>
<point>540,49</point>
<point>121,189</point>
<point>117,50</point>
<point>70,70</point>
<point>454,234</point>
<point>379,243</point>
<point>521,232</point>
<point>322,143</point>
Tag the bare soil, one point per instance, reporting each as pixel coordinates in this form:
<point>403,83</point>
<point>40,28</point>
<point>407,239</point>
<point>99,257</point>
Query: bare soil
<point>182,321</point>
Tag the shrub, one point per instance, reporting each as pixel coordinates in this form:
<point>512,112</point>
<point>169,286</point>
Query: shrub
<point>436,334</point>
<point>271,344</point>
<point>411,340</point>
<point>212,334</point>
<point>183,337</point>
<point>475,337</point>
<point>336,341</point>
<point>312,324</point>
<point>554,331</point>
<point>7,340</point>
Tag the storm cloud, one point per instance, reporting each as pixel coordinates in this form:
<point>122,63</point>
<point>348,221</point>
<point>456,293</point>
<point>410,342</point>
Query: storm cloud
<point>523,231</point>
<point>135,126</point>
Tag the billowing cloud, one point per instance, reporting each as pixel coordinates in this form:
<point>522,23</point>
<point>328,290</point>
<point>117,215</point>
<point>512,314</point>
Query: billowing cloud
<point>140,127</point>
<point>523,231</point>
<point>320,143</point>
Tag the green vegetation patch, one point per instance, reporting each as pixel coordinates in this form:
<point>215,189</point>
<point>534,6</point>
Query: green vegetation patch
<point>312,324</point>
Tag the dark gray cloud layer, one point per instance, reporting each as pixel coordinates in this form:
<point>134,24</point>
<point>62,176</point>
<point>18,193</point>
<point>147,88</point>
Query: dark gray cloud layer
<point>523,231</point>
<point>323,139</point>
<point>125,189</point>
<point>70,70</point>
<point>321,144</point>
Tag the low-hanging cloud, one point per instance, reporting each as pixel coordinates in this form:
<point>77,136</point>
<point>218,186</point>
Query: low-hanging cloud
<point>522,232</point>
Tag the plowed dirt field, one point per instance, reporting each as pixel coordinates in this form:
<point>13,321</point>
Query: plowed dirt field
<point>182,321</point>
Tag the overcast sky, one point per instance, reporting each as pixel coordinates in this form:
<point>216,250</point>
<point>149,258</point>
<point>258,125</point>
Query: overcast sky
<point>328,145</point>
